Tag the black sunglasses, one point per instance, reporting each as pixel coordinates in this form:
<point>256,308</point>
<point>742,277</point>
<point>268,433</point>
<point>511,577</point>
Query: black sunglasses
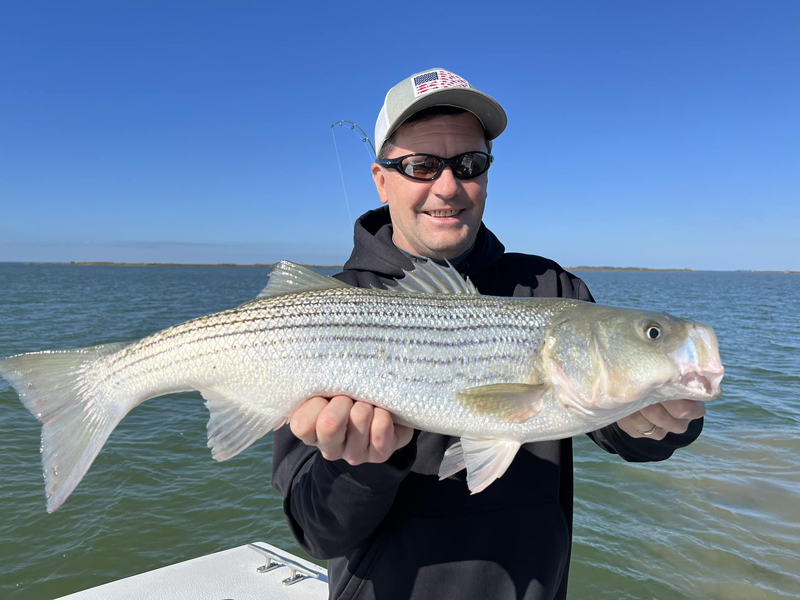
<point>427,167</point>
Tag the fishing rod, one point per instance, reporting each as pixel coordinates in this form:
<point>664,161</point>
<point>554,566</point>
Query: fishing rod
<point>364,138</point>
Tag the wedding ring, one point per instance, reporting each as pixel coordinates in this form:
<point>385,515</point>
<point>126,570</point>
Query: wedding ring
<point>649,431</point>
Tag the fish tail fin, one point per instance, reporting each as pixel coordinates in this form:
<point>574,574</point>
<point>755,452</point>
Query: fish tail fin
<point>76,412</point>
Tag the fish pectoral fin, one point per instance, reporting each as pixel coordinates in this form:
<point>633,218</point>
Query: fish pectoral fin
<point>453,461</point>
<point>486,460</point>
<point>289,278</point>
<point>234,423</point>
<point>512,402</point>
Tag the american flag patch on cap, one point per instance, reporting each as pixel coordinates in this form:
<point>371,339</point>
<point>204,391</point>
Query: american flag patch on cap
<point>437,80</point>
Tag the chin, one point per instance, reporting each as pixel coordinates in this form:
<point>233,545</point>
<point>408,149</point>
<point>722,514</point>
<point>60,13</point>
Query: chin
<point>450,251</point>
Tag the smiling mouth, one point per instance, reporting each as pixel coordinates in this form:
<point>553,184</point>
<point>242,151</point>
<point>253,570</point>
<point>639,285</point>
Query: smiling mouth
<point>442,213</point>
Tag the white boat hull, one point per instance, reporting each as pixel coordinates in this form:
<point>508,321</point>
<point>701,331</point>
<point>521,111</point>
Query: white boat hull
<point>237,573</point>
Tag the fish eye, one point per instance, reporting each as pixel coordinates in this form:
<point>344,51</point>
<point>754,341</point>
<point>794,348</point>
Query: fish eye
<point>653,331</point>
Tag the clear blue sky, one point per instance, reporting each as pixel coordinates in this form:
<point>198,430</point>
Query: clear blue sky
<point>655,134</point>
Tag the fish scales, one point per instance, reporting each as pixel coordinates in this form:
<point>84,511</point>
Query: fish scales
<point>425,349</point>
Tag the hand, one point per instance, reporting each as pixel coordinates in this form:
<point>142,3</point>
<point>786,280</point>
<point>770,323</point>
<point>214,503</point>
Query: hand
<point>672,416</point>
<point>345,428</point>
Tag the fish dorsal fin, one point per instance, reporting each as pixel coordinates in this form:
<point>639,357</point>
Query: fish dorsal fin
<point>288,278</point>
<point>431,278</point>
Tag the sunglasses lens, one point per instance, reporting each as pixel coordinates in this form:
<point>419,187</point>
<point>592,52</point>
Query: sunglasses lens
<point>421,166</point>
<point>427,167</point>
<point>470,165</point>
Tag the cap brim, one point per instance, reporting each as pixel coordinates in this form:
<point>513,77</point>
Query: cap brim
<point>484,107</point>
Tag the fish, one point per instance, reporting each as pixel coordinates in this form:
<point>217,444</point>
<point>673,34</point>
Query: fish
<point>496,372</point>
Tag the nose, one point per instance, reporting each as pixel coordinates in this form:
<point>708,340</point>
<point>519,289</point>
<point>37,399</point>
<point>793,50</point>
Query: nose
<point>446,185</point>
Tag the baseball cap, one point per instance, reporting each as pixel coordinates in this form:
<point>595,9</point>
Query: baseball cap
<point>436,87</point>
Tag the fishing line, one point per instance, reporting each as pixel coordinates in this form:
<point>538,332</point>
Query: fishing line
<point>341,173</point>
<point>364,138</point>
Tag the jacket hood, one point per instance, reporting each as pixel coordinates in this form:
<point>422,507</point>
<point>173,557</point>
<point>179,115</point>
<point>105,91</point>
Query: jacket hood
<point>374,250</point>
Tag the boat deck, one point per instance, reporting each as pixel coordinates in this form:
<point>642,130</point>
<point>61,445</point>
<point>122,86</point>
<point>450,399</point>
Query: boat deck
<point>238,573</point>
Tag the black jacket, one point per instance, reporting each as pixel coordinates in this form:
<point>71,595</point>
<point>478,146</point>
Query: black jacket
<point>392,530</point>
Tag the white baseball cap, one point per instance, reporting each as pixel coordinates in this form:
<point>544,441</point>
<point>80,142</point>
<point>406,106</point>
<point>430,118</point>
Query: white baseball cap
<point>436,87</point>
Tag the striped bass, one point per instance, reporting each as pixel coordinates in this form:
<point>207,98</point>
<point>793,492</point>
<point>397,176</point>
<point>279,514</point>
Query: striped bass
<point>497,372</point>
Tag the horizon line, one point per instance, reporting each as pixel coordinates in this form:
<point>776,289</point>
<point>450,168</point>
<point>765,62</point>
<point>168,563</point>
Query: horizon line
<point>271,265</point>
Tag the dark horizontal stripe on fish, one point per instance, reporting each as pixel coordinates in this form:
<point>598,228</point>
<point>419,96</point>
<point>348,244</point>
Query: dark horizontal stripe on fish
<point>184,329</point>
<point>154,340</point>
<point>402,305</point>
<point>405,360</point>
<point>515,340</point>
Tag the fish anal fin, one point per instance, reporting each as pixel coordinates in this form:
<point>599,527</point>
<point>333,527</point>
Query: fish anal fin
<point>511,402</point>
<point>234,423</point>
<point>486,460</point>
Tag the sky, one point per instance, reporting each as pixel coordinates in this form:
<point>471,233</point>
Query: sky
<point>640,133</point>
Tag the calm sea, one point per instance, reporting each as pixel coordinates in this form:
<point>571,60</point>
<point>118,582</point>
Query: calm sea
<point>721,519</point>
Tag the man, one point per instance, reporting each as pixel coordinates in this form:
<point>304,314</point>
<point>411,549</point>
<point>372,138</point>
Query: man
<point>362,491</point>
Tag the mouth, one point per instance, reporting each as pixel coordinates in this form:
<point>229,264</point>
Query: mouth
<point>699,364</point>
<point>701,386</point>
<point>443,214</point>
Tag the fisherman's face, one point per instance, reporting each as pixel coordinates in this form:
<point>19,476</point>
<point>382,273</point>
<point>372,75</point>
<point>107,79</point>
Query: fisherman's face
<point>439,218</point>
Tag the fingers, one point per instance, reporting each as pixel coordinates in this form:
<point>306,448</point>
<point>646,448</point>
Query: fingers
<point>402,435</point>
<point>386,436</point>
<point>685,409</point>
<point>672,416</point>
<point>304,421</point>
<point>356,451</point>
<point>342,428</point>
<point>332,427</point>
<point>638,426</point>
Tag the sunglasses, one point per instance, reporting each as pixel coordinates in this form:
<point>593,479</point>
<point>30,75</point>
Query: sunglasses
<point>427,167</point>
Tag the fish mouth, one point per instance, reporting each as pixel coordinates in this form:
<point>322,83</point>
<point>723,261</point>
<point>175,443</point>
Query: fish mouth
<point>701,386</point>
<point>699,365</point>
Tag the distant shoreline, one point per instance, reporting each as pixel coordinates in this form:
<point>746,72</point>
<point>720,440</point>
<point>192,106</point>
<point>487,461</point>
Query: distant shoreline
<point>270,265</point>
<point>151,264</point>
<point>636,269</point>
<point>646,270</point>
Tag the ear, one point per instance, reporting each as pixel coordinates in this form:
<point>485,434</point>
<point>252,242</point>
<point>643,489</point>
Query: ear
<point>379,177</point>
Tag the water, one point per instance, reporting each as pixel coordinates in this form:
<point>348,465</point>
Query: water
<point>720,519</point>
